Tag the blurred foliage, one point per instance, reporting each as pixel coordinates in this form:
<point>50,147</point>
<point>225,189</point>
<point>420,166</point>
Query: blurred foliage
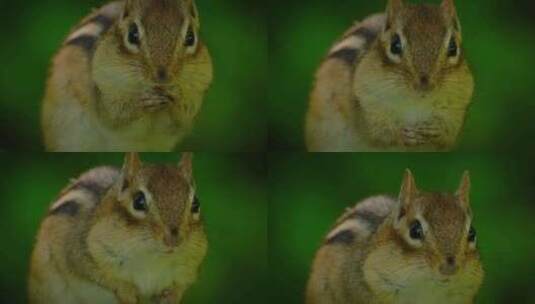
<point>234,31</point>
<point>308,192</point>
<point>230,187</point>
<point>498,37</point>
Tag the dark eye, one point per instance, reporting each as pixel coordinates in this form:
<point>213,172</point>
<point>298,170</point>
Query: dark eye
<point>196,205</point>
<point>133,34</point>
<point>190,37</point>
<point>416,231</point>
<point>139,203</point>
<point>395,45</point>
<point>452,48</point>
<point>472,234</point>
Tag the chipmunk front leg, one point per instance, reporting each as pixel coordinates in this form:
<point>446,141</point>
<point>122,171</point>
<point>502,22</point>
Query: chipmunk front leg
<point>171,295</point>
<point>127,294</point>
<point>155,99</point>
<point>120,112</point>
<point>419,134</point>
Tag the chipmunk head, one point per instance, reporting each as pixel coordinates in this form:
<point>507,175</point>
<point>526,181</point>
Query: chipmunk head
<point>159,200</point>
<point>163,33</point>
<point>422,43</point>
<point>153,55</point>
<point>437,226</point>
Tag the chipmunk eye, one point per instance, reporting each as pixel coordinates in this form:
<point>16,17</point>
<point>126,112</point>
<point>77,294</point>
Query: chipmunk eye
<point>452,47</point>
<point>395,45</point>
<point>190,38</point>
<point>140,202</point>
<point>196,205</point>
<point>133,34</point>
<point>416,231</point>
<point>472,234</point>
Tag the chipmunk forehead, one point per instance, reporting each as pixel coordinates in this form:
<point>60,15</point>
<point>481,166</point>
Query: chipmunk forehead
<point>441,208</point>
<point>445,217</point>
<point>157,12</point>
<point>167,185</point>
<point>164,12</point>
<point>424,22</point>
<point>433,200</point>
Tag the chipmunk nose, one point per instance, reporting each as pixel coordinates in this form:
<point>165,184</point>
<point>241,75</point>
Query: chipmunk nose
<point>449,267</point>
<point>424,80</point>
<point>171,237</point>
<point>162,74</point>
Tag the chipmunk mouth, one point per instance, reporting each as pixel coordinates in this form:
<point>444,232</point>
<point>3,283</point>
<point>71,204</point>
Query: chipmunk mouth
<point>163,94</point>
<point>169,251</point>
<point>424,90</point>
<point>172,249</point>
<point>157,98</point>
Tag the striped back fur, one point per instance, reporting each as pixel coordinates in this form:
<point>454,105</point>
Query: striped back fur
<point>84,192</point>
<point>357,40</point>
<point>357,224</point>
<point>86,34</point>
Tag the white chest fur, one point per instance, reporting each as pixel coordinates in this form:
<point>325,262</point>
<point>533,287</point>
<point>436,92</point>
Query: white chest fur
<point>430,291</point>
<point>153,132</point>
<point>81,291</point>
<point>399,108</point>
<point>394,279</point>
<point>154,273</point>
<point>139,259</point>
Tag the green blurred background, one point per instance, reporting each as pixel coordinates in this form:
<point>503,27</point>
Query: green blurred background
<point>232,117</point>
<point>498,36</point>
<point>308,192</point>
<point>234,199</point>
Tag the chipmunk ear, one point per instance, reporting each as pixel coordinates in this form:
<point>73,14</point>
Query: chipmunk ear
<point>127,9</point>
<point>408,190</point>
<point>448,7</point>
<point>186,166</point>
<point>131,167</point>
<point>463,192</point>
<point>193,9</point>
<point>450,12</point>
<point>393,11</point>
<point>131,6</point>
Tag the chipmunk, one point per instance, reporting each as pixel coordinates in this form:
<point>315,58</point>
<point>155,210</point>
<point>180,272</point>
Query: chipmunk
<point>420,248</point>
<point>397,81</point>
<point>130,77</point>
<point>121,236</point>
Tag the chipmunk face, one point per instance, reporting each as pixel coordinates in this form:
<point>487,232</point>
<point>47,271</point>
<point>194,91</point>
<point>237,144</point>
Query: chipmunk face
<point>439,224</point>
<point>154,60</point>
<point>421,43</point>
<point>160,200</point>
<point>161,32</point>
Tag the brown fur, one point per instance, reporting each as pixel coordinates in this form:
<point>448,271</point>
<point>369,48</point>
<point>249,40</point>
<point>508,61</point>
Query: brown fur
<point>120,97</point>
<point>382,265</point>
<point>417,102</point>
<point>91,254</point>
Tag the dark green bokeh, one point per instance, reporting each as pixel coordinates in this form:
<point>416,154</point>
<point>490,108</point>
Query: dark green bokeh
<point>232,117</point>
<point>498,37</point>
<point>308,192</point>
<point>234,199</point>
